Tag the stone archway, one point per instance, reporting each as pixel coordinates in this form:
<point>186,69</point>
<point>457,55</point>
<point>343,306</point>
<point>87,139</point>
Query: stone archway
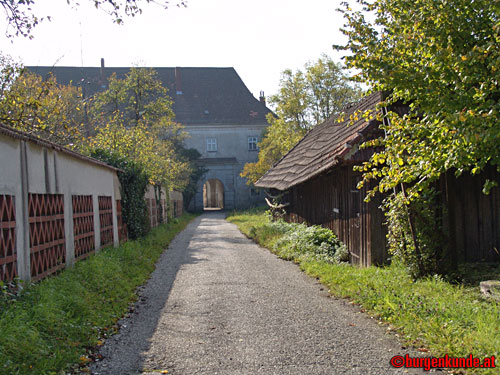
<point>213,194</point>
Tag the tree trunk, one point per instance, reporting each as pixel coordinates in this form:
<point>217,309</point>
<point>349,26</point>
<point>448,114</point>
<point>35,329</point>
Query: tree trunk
<point>413,233</point>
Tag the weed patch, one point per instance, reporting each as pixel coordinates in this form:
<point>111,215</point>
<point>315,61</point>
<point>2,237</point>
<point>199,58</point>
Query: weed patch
<point>53,325</point>
<point>290,241</point>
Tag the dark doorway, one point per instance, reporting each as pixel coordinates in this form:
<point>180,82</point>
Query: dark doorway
<point>213,195</point>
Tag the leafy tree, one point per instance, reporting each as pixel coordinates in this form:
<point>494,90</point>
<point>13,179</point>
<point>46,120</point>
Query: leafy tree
<point>9,71</point>
<point>139,97</point>
<point>328,88</point>
<point>143,145</point>
<point>134,117</point>
<point>39,107</point>
<point>304,100</point>
<point>21,18</point>
<point>442,58</point>
<point>291,103</point>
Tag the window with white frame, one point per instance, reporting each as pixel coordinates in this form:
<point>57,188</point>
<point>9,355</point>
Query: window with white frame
<point>252,143</point>
<point>211,144</point>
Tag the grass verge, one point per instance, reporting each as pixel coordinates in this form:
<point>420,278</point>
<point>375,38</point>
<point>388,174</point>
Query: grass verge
<point>53,326</point>
<point>433,315</point>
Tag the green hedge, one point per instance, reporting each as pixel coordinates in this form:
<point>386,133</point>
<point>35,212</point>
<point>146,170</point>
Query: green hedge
<point>134,182</point>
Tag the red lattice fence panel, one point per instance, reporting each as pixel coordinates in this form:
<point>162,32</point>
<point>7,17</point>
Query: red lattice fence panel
<point>47,243</point>
<point>8,254</point>
<point>106,220</point>
<point>122,227</point>
<point>83,225</point>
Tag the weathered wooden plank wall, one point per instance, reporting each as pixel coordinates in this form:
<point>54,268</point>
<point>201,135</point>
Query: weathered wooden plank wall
<point>471,217</point>
<point>332,200</point>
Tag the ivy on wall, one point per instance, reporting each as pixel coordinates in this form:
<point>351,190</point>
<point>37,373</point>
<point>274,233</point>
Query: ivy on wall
<point>134,182</point>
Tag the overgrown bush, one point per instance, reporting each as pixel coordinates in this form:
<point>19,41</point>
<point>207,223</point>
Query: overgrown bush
<point>300,240</point>
<point>134,182</point>
<point>415,233</point>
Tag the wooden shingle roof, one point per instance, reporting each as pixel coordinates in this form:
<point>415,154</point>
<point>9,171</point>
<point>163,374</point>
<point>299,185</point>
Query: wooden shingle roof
<point>323,147</point>
<point>201,96</point>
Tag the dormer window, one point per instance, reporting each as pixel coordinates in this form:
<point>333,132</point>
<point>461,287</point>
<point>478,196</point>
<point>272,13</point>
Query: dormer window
<point>211,144</point>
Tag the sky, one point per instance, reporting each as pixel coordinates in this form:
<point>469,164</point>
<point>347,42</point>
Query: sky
<point>259,38</point>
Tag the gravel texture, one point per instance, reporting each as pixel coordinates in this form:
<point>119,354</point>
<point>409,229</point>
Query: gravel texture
<point>219,304</point>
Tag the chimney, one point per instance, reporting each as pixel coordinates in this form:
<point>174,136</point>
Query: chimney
<point>262,98</point>
<point>178,81</point>
<point>102,72</point>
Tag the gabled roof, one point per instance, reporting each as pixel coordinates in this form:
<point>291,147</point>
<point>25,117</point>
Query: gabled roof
<point>204,96</point>
<point>323,147</point>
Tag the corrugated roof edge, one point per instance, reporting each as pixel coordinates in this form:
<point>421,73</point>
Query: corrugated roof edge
<point>336,158</point>
<point>18,134</point>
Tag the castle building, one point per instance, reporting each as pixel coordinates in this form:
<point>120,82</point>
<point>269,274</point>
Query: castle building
<point>223,119</point>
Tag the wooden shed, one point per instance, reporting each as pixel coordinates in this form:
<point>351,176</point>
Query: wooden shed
<point>319,183</point>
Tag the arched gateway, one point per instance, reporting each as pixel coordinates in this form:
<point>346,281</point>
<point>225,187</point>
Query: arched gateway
<point>213,194</point>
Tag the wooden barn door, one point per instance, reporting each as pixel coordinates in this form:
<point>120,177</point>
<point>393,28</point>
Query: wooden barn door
<point>358,223</point>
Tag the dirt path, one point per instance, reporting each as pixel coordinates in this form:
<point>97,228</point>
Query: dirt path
<point>219,304</point>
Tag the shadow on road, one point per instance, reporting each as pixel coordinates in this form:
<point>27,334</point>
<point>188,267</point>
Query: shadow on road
<point>123,352</point>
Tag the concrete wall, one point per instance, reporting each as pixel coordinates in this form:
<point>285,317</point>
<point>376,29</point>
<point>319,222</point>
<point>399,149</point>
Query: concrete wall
<point>28,166</point>
<point>232,142</point>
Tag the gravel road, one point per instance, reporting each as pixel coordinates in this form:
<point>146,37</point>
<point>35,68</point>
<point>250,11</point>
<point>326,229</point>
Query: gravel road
<point>219,304</point>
